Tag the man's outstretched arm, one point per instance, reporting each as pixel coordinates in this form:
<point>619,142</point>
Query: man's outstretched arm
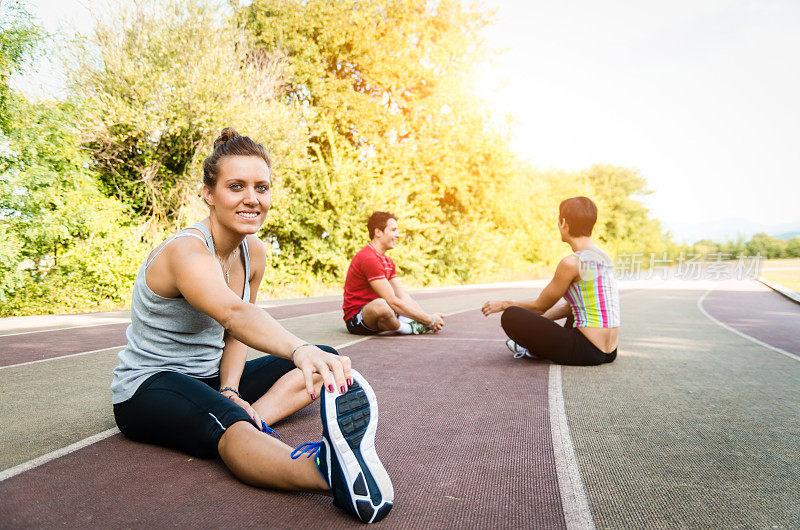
<point>436,321</point>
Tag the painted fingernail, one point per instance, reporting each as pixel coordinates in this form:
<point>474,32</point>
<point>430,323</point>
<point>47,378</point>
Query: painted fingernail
<point>313,396</point>
<point>349,382</point>
<point>343,389</point>
<point>330,388</point>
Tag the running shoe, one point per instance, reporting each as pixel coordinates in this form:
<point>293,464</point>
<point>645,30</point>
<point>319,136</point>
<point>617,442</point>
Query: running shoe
<point>346,455</point>
<point>417,328</point>
<point>519,351</point>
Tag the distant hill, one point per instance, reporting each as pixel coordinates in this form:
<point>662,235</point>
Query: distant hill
<point>731,228</point>
<point>786,236</point>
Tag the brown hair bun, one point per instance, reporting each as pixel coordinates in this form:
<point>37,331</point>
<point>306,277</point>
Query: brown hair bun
<point>228,133</point>
<point>231,143</point>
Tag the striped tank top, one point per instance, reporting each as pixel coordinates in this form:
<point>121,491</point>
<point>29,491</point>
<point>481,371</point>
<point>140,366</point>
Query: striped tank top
<point>169,334</point>
<point>594,299</point>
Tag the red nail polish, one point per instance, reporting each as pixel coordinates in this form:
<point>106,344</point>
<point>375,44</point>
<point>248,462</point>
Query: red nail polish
<point>349,382</point>
<point>313,397</point>
<point>343,389</point>
<point>330,388</point>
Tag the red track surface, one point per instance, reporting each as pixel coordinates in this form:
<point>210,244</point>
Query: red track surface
<point>764,315</point>
<point>27,347</point>
<point>464,434</point>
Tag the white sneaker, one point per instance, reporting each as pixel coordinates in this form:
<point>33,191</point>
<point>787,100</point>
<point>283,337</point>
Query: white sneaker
<point>518,351</point>
<point>417,328</point>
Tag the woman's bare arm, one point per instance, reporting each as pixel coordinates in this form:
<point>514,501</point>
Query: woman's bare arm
<point>200,280</point>
<point>566,273</point>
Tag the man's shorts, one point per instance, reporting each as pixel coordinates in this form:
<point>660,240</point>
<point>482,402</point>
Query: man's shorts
<point>356,326</point>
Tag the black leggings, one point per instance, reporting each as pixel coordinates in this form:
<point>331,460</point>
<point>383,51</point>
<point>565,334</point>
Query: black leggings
<point>189,414</point>
<point>546,339</point>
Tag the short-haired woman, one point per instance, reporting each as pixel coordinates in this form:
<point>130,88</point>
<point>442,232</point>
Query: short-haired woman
<point>585,279</point>
<point>183,380</point>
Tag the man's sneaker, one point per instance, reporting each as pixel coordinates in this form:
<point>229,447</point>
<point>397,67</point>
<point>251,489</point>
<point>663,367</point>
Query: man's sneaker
<point>519,351</point>
<point>418,328</point>
<point>346,455</point>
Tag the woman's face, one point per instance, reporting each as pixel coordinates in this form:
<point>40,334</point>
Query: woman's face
<point>243,193</point>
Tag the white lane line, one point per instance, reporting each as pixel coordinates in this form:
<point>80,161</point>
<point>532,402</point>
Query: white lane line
<point>746,336</point>
<point>123,345</point>
<point>462,311</point>
<point>63,357</point>
<point>346,344</point>
<point>115,320</point>
<point>36,462</point>
<point>121,321</point>
<point>76,326</point>
<point>58,453</point>
<point>577,514</point>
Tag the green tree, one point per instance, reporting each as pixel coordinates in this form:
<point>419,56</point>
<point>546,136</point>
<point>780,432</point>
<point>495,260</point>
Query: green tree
<point>793,248</point>
<point>71,248</point>
<point>160,80</point>
<point>624,224</point>
<point>384,91</point>
<point>18,38</point>
<point>64,245</point>
<point>766,246</point>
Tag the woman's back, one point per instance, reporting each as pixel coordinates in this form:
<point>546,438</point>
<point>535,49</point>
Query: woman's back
<point>594,299</point>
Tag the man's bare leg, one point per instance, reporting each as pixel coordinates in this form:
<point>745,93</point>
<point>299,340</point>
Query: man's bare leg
<point>378,315</point>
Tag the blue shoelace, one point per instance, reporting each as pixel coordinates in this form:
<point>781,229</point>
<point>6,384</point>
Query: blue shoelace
<point>269,430</point>
<point>312,448</point>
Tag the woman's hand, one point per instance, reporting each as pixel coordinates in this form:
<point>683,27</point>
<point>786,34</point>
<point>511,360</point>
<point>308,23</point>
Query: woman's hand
<point>334,369</point>
<point>494,306</point>
<point>245,405</point>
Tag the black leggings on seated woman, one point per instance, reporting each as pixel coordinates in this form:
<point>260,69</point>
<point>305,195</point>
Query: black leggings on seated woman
<point>546,339</point>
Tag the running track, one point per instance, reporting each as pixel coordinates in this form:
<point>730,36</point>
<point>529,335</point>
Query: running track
<point>40,345</point>
<point>761,314</point>
<point>459,453</point>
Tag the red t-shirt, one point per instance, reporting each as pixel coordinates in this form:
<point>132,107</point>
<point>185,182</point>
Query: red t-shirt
<point>367,265</point>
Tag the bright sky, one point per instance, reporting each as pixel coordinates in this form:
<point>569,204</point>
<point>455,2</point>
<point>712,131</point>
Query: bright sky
<point>700,95</point>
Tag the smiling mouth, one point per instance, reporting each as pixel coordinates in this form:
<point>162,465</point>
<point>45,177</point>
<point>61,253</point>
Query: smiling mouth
<point>248,215</point>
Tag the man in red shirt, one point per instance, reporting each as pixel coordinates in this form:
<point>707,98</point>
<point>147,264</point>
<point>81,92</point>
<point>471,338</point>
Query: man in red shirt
<point>374,298</point>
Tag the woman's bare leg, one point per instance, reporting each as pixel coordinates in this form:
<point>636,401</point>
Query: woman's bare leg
<point>286,396</point>
<point>263,461</point>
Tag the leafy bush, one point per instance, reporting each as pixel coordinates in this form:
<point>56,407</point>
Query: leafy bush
<point>363,106</point>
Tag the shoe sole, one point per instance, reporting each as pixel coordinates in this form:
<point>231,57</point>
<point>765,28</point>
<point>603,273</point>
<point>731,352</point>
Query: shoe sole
<point>352,420</point>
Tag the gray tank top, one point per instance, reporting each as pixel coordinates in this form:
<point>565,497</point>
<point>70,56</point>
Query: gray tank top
<point>168,334</point>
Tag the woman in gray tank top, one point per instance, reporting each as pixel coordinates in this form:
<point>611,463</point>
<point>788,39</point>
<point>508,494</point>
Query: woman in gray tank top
<point>183,380</point>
